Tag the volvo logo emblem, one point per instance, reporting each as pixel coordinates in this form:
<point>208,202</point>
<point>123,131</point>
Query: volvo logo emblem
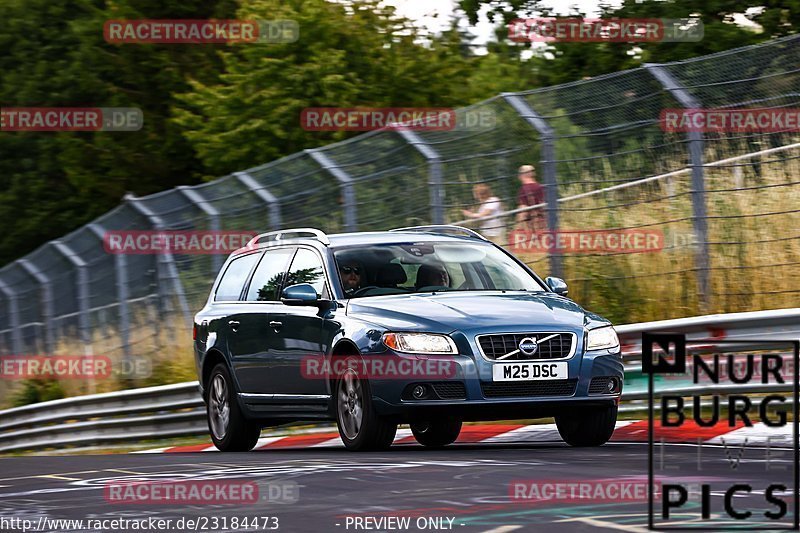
<point>528,346</point>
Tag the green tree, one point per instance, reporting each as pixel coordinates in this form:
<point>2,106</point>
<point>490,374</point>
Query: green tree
<point>53,54</point>
<point>564,62</point>
<point>349,54</point>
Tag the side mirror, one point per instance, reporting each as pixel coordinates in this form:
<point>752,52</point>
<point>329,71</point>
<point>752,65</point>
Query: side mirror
<point>300,294</point>
<point>557,285</point>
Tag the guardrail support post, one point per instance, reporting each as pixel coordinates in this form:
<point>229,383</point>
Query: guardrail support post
<point>213,220</point>
<point>274,204</point>
<point>548,166</point>
<point>121,279</point>
<point>167,270</point>
<point>698,193</point>
<point>13,318</point>
<point>434,172</point>
<point>46,296</point>
<point>346,184</point>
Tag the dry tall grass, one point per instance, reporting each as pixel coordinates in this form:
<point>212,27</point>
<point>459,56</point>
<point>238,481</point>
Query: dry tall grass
<point>754,244</point>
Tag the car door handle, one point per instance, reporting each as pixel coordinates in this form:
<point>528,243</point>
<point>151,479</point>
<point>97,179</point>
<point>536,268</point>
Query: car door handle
<point>274,324</point>
<point>234,324</point>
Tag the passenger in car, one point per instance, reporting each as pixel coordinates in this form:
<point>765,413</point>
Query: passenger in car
<point>432,275</point>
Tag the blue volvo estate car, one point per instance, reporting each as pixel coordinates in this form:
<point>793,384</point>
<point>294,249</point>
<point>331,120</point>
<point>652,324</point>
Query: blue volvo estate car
<point>429,326</point>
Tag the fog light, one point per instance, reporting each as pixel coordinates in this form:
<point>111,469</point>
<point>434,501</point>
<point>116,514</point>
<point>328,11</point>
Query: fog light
<point>418,392</point>
<point>612,385</point>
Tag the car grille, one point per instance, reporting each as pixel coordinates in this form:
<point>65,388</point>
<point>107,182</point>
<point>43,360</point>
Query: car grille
<point>496,346</point>
<point>562,387</point>
<point>450,390</point>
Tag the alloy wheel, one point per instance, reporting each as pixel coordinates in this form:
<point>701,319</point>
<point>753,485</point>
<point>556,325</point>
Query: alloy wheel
<point>351,404</point>
<point>219,408</point>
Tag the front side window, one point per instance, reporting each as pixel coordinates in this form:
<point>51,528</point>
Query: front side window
<point>234,278</point>
<point>429,267</point>
<point>268,276</point>
<point>307,268</point>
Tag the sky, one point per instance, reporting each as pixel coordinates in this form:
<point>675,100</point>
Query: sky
<point>435,14</point>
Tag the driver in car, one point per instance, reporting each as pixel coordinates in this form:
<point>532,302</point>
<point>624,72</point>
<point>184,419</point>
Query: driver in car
<point>351,277</point>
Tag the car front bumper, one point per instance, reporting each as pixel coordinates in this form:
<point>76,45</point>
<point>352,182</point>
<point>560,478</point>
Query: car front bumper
<point>485,399</point>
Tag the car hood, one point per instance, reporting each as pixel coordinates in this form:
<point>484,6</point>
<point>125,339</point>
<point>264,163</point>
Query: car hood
<point>467,311</point>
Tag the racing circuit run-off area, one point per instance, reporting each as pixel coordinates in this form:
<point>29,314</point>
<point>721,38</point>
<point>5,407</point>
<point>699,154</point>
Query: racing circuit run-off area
<point>392,266</point>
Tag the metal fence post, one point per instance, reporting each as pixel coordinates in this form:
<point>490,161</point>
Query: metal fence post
<point>434,172</point>
<point>46,296</point>
<point>82,290</point>
<point>698,193</point>
<point>13,318</point>
<point>167,270</point>
<point>548,165</point>
<point>213,219</point>
<point>121,279</point>
<point>346,184</point>
<point>274,204</point>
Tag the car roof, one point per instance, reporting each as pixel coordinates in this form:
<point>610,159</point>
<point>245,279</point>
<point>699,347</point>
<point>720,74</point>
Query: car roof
<point>394,237</point>
<point>339,240</point>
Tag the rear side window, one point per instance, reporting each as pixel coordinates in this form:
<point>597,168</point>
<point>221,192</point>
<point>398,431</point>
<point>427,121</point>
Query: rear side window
<point>234,278</point>
<point>268,276</point>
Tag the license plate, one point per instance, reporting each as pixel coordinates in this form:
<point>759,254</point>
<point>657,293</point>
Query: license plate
<point>529,371</point>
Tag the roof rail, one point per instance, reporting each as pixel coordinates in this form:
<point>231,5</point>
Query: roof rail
<point>444,228</point>
<point>279,235</point>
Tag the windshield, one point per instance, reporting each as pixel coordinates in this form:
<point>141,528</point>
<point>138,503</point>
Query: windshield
<point>429,267</point>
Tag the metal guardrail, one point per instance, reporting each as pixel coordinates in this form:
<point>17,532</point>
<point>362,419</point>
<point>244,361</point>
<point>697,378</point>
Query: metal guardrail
<point>178,410</point>
<point>124,416</point>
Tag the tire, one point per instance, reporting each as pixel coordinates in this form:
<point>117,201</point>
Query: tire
<point>230,431</point>
<point>360,427</point>
<point>436,433</point>
<point>590,428</point>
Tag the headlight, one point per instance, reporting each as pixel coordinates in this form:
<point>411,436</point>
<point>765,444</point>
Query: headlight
<point>602,338</point>
<point>424,343</point>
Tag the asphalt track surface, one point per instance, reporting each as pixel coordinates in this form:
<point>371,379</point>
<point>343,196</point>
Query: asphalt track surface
<point>466,483</point>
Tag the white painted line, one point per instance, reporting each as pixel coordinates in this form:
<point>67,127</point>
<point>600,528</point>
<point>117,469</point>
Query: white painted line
<point>402,433</point>
<point>503,529</point>
<point>155,450</point>
<point>335,442</point>
<point>265,441</point>
<point>606,524</point>
<point>532,433</point>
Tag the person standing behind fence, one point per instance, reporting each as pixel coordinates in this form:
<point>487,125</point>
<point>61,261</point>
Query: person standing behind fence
<point>491,207</point>
<point>531,193</point>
